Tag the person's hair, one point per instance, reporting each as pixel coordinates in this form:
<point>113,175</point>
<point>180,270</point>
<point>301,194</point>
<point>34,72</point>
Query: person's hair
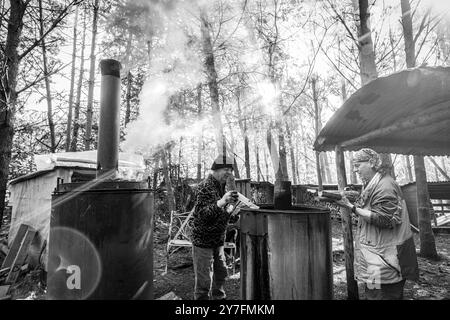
<point>374,158</point>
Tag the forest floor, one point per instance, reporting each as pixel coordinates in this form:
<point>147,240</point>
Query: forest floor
<point>434,282</point>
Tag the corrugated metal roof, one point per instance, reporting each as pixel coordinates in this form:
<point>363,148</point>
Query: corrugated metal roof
<point>410,94</point>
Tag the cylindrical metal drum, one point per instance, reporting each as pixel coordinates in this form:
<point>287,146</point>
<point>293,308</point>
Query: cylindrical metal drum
<point>286,254</point>
<point>101,241</point>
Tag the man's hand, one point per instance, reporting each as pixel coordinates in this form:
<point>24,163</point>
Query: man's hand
<point>229,197</point>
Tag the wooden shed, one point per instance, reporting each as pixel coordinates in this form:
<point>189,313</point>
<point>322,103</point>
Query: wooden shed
<point>440,202</point>
<point>31,194</point>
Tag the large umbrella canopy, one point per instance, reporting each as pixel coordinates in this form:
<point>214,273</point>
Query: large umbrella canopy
<point>406,112</point>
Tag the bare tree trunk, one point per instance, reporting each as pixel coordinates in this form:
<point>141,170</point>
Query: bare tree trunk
<point>427,243</point>
<point>394,56</point>
<point>72,82</point>
<point>326,167</point>
<point>2,12</point>
<point>128,98</point>
<point>200,138</point>
<point>180,157</point>
<point>408,168</point>
<point>88,134</point>
<point>305,150</point>
<point>442,30</point>
<point>292,153</point>
<point>166,169</point>
<point>410,51</point>
<point>76,119</point>
<point>243,126</point>
<point>8,95</point>
<point>366,52</point>
<point>266,164</point>
<point>212,82</point>
<point>155,173</point>
<point>258,167</point>
<point>353,179</point>
<point>51,124</point>
<point>247,156</point>
<point>297,161</point>
<point>231,150</point>
<point>282,153</point>
<point>129,79</point>
<point>368,69</point>
<point>317,130</point>
<point>199,159</point>
<point>273,153</point>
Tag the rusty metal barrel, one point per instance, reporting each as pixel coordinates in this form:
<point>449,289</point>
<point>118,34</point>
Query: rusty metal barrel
<point>286,254</point>
<point>101,241</point>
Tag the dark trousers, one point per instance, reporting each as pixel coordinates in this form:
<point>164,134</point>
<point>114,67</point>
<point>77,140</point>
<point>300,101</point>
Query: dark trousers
<point>392,291</point>
<point>210,273</point>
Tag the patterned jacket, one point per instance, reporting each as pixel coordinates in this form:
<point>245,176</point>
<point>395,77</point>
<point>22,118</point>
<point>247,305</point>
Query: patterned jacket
<point>209,221</point>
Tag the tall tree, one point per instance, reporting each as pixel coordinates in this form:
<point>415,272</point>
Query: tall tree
<point>427,242</point>
<point>8,95</point>
<point>164,155</point>
<point>51,124</point>
<point>243,126</point>
<point>292,154</point>
<point>72,82</point>
<point>77,105</point>
<point>129,78</point>
<point>211,72</point>
<point>90,102</point>
<point>368,67</point>
<point>317,130</point>
<point>10,59</point>
<point>200,138</point>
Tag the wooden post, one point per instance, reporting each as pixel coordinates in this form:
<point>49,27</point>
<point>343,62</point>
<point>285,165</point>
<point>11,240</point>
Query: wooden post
<point>352,286</point>
<point>427,242</point>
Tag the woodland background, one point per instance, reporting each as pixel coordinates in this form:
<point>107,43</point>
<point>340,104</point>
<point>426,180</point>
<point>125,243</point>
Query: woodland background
<point>262,75</point>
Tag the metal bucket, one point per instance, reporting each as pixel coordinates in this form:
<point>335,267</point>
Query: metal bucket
<point>286,254</point>
<point>101,241</point>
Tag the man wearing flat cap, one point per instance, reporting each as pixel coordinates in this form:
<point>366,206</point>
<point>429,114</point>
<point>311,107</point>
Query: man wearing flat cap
<point>385,254</point>
<point>210,220</point>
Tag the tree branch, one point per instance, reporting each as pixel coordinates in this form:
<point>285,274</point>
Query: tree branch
<point>55,23</point>
<point>343,23</point>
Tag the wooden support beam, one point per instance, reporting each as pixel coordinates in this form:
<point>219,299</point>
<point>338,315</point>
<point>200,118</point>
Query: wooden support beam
<point>408,123</point>
<point>352,286</point>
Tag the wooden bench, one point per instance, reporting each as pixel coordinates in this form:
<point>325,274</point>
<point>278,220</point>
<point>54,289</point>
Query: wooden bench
<point>180,228</point>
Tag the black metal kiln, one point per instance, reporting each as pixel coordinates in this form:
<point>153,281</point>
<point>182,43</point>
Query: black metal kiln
<point>101,240</point>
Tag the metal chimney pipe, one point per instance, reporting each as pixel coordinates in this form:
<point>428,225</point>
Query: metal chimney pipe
<point>109,127</point>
